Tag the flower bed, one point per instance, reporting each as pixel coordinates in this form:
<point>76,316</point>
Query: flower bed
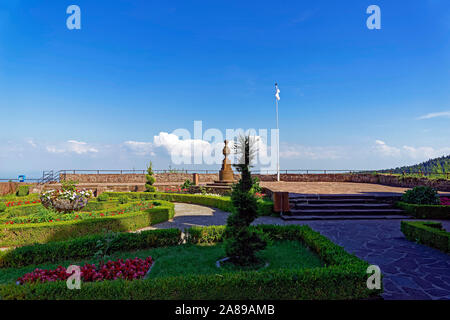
<point>112,270</point>
<point>445,201</point>
<point>42,232</point>
<point>10,204</point>
<point>141,206</point>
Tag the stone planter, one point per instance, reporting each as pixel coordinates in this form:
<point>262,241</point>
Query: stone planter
<point>64,205</point>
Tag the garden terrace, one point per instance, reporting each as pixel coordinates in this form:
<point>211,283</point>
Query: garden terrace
<point>30,223</point>
<point>302,265</point>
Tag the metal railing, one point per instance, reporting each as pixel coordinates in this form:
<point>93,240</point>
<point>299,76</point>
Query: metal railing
<point>55,176</point>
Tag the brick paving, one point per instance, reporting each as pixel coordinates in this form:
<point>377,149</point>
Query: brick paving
<point>411,270</point>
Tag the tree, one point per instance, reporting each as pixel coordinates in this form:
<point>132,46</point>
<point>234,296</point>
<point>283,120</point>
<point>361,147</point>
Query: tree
<point>242,243</point>
<point>150,179</point>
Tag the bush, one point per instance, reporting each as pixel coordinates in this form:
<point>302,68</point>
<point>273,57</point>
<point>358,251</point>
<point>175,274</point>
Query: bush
<point>86,247</point>
<point>24,234</point>
<point>150,178</point>
<point>428,233</point>
<point>426,211</point>
<point>265,207</point>
<point>344,277</point>
<point>123,199</point>
<point>421,195</point>
<point>23,191</point>
<point>103,197</point>
<point>2,207</point>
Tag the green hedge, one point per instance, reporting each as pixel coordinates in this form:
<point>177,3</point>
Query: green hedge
<point>344,277</point>
<point>22,210</point>
<point>85,247</point>
<point>426,232</point>
<point>25,234</point>
<point>422,211</point>
<point>265,207</point>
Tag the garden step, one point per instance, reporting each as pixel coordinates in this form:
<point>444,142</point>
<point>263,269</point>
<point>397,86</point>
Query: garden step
<point>353,206</point>
<point>343,217</point>
<point>330,201</point>
<point>301,212</point>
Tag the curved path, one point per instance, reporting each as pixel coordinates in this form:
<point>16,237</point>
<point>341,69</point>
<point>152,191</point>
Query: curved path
<point>411,271</point>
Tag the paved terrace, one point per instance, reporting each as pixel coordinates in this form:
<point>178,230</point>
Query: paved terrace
<point>411,270</point>
<point>333,188</point>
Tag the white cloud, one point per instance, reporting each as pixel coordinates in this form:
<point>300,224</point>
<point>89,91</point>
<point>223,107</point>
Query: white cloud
<point>289,151</point>
<point>444,114</point>
<point>386,150</point>
<point>178,147</point>
<point>73,146</point>
<point>139,148</point>
<point>408,152</point>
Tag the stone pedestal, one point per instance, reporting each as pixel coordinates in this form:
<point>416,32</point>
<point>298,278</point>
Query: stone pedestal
<point>226,175</point>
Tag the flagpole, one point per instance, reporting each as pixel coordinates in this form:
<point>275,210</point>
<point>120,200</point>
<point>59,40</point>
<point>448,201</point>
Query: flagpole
<point>278,139</point>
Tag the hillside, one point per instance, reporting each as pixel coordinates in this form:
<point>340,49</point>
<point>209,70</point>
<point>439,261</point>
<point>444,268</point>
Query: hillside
<point>432,166</point>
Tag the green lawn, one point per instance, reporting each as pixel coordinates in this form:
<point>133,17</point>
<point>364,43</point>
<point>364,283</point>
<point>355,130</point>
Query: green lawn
<point>194,259</point>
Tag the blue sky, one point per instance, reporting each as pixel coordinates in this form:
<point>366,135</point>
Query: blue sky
<point>351,98</point>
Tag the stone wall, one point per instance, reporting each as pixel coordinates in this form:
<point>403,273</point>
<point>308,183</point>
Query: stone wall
<point>140,178</point>
<point>8,187</point>
<point>178,178</point>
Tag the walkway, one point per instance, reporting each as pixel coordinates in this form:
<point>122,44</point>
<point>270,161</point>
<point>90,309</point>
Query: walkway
<point>411,271</point>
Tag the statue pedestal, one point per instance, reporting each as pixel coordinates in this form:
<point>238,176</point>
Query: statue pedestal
<point>226,175</point>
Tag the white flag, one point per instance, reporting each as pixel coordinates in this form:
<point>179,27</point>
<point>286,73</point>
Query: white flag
<point>277,94</point>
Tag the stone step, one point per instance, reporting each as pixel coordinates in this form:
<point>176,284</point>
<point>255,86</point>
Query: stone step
<point>376,196</point>
<point>331,201</point>
<point>332,206</point>
<point>321,212</point>
<point>343,217</point>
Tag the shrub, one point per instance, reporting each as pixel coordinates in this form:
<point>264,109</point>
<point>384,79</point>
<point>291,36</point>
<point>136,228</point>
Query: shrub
<point>23,191</point>
<point>150,179</point>
<point>187,184</point>
<point>422,211</point>
<point>428,233</point>
<point>103,197</point>
<point>86,247</point>
<point>123,199</point>
<point>242,243</point>
<point>2,207</point>
<point>421,195</point>
<point>265,207</point>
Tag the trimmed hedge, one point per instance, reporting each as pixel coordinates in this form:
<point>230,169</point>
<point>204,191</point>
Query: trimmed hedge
<point>25,234</point>
<point>426,232</point>
<point>265,207</point>
<point>423,211</point>
<point>22,210</point>
<point>85,247</point>
<point>344,277</point>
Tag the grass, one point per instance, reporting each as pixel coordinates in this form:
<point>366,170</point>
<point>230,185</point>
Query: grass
<point>193,259</point>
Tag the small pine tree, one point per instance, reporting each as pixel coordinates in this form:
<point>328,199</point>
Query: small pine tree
<point>241,242</point>
<point>150,179</point>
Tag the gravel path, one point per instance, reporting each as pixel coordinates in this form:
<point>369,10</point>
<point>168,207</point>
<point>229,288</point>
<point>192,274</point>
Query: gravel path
<point>411,271</point>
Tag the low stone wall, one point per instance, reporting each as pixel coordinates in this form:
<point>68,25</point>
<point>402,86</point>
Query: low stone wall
<point>8,187</point>
<point>178,178</point>
<point>140,178</point>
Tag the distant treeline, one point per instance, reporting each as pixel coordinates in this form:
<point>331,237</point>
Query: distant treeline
<point>432,166</point>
